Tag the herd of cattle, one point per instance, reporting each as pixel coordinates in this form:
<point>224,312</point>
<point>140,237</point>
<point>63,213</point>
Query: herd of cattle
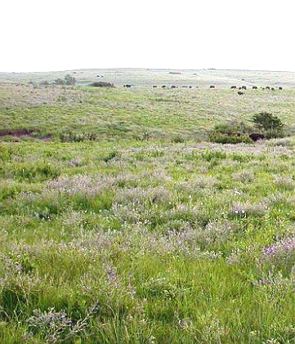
<point>240,92</point>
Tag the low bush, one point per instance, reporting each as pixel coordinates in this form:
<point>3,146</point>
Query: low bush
<point>232,132</point>
<point>270,125</point>
<point>101,84</point>
<point>68,80</point>
<point>229,138</point>
<point>266,126</point>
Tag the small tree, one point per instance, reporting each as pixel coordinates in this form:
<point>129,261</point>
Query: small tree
<point>69,80</point>
<point>267,121</point>
<point>59,81</point>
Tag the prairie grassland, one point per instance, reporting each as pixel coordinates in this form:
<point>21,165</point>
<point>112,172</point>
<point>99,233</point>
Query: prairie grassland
<point>146,234</point>
<point>136,114</point>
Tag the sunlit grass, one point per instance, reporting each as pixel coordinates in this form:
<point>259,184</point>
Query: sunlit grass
<point>138,238</point>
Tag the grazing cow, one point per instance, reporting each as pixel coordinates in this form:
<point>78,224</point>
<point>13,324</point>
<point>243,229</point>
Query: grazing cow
<point>128,86</point>
<point>164,86</point>
<point>233,87</point>
<point>154,86</point>
<point>273,89</point>
<point>267,88</point>
<point>190,87</point>
<point>240,93</point>
<point>280,88</point>
<point>254,87</point>
<point>256,136</point>
<point>173,86</point>
<point>212,86</point>
<point>244,87</point>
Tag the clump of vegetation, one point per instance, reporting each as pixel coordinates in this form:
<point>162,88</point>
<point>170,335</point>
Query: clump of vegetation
<point>77,137</point>
<point>102,84</point>
<point>269,124</point>
<point>266,125</point>
<point>68,81</point>
<point>111,241</point>
<point>232,132</point>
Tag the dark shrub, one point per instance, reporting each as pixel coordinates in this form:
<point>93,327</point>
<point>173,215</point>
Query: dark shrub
<point>269,124</point>
<point>101,84</point>
<point>59,81</point>
<point>69,80</point>
<point>44,83</point>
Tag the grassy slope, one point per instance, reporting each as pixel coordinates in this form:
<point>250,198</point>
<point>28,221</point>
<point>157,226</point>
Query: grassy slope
<point>131,113</point>
<point>165,239</point>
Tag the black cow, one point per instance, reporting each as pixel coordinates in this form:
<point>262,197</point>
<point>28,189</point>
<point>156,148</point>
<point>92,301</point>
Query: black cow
<point>254,87</point>
<point>233,87</point>
<point>212,86</point>
<point>240,93</point>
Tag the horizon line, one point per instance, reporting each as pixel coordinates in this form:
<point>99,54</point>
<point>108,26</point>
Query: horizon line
<point>149,68</point>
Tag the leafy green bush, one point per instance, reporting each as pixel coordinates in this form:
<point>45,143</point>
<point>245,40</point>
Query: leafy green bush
<point>225,138</point>
<point>68,80</point>
<point>232,132</point>
<point>269,124</point>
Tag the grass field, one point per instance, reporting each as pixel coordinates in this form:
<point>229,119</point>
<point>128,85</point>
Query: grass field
<point>120,223</point>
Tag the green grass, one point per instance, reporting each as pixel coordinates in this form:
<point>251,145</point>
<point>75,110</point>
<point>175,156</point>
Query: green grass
<point>147,234</point>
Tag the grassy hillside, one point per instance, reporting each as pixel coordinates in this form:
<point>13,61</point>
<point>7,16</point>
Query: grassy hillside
<point>144,232</point>
<point>169,114</point>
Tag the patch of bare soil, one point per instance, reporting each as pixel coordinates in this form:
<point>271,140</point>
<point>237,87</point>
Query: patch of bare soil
<point>23,132</point>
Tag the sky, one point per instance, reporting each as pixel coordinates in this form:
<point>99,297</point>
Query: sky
<point>50,35</point>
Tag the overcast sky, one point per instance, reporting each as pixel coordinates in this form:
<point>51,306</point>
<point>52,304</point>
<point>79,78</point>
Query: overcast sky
<point>46,35</point>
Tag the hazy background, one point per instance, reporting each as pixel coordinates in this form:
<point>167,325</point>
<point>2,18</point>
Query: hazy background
<point>67,34</point>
